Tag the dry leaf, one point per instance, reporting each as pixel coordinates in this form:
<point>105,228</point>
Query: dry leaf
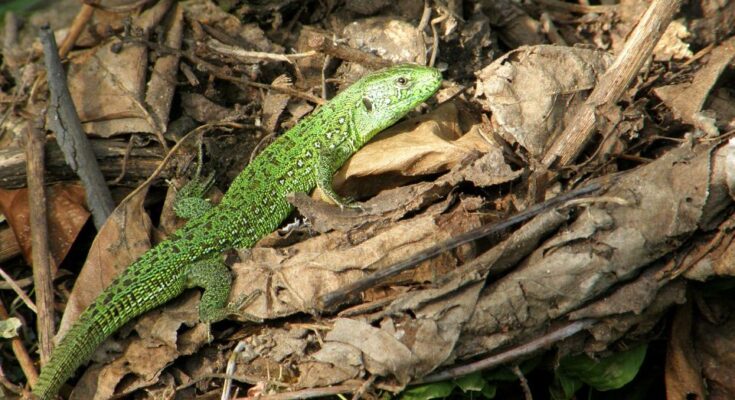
<point>533,92</point>
<point>66,218</point>
<point>274,104</point>
<point>389,38</point>
<point>427,145</point>
<point>121,240</point>
<point>683,368</point>
<point>687,99</point>
<point>293,278</point>
<point>668,200</point>
<point>714,346</point>
<point>108,82</point>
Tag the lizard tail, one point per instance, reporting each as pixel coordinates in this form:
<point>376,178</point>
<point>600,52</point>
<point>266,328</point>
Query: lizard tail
<point>75,348</point>
<point>122,301</point>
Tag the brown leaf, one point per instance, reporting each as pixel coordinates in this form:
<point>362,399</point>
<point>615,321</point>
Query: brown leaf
<point>533,92</point>
<point>383,353</point>
<point>108,82</point>
<point>292,279</point>
<point>683,368</point>
<point>430,144</point>
<point>66,217</point>
<point>274,104</point>
<point>665,202</point>
<point>108,88</point>
<point>714,345</point>
<point>687,99</point>
<point>121,240</point>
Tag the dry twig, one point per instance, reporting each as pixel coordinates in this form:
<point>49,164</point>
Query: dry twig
<point>76,28</point>
<point>40,253</point>
<point>347,53</point>
<point>635,53</point>
<point>71,137</point>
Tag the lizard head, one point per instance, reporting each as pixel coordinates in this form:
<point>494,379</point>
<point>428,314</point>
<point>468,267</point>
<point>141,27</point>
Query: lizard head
<point>385,96</point>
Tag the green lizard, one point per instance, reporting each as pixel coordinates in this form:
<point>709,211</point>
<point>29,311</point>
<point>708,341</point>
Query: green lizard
<point>303,158</point>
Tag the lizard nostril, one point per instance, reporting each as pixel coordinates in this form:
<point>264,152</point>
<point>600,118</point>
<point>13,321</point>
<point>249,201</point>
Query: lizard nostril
<point>368,104</point>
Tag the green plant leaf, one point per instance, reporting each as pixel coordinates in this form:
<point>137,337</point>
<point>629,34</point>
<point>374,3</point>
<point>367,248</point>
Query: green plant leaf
<point>489,391</point>
<point>564,387</point>
<point>475,382</point>
<point>429,391</point>
<point>609,373</point>
<point>472,382</point>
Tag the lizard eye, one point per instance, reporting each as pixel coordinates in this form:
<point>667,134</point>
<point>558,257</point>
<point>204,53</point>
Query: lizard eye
<point>402,81</point>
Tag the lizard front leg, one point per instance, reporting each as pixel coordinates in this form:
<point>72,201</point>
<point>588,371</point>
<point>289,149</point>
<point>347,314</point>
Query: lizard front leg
<point>327,164</point>
<point>190,201</point>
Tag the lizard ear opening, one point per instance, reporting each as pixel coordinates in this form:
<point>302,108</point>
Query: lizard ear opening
<point>368,104</point>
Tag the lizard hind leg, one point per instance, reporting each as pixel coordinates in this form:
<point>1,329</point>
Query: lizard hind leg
<point>214,277</point>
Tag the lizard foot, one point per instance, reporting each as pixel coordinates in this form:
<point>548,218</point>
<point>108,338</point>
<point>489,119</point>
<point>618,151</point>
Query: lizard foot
<point>244,300</point>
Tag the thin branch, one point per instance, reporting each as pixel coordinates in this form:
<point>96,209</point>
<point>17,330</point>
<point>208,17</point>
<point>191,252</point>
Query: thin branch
<point>72,139</point>
<point>237,52</point>
<point>614,81</point>
<point>514,353</point>
<point>19,283</point>
<point>76,28</point>
<point>523,381</point>
<point>230,369</point>
<point>12,284</point>
<point>312,393</point>
<point>325,45</point>
<point>578,8</point>
<point>40,254</point>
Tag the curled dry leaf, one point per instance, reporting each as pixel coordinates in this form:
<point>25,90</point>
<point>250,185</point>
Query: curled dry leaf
<point>716,257</point>
<point>427,145</point>
<point>683,366</point>
<point>483,170</point>
<point>291,279</point>
<point>533,92</point>
<point>714,344</point>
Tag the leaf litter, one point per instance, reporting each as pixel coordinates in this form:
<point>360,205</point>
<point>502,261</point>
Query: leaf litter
<point>649,243</point>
